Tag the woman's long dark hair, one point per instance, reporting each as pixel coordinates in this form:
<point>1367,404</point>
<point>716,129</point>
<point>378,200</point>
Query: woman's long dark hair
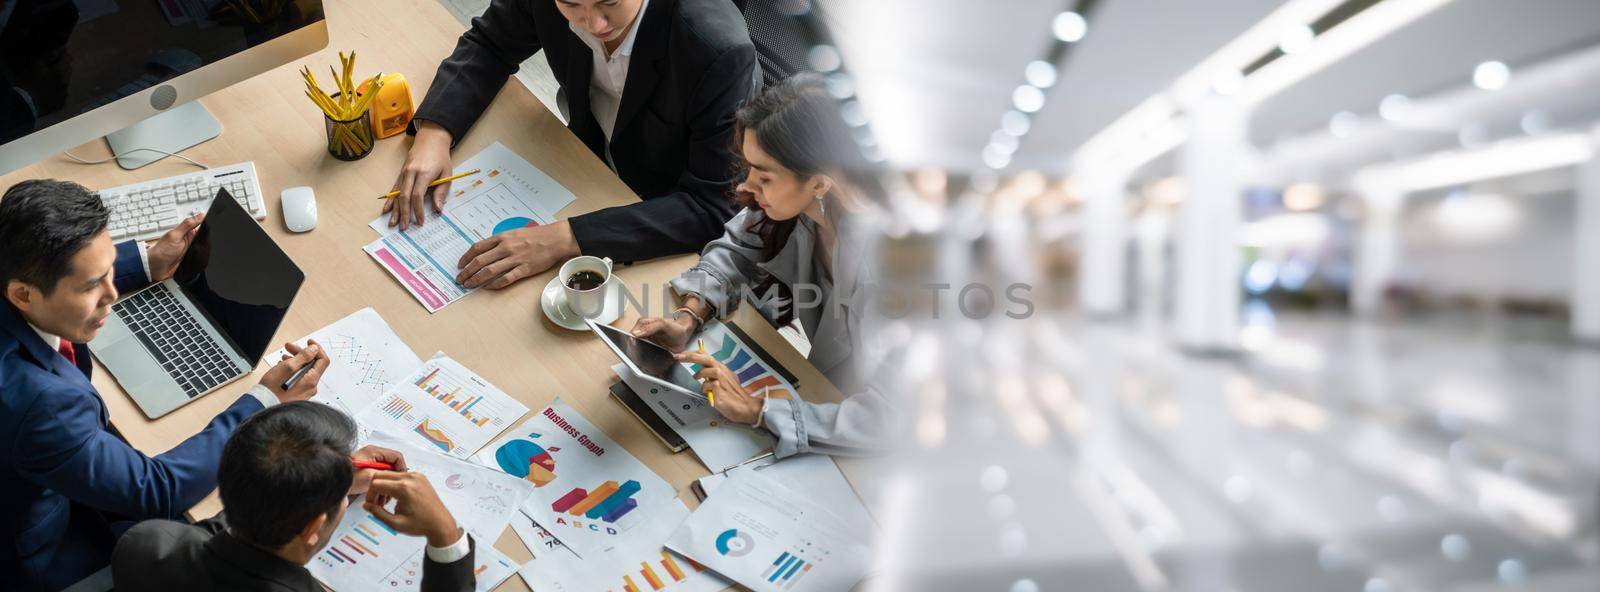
<point>799,124</point>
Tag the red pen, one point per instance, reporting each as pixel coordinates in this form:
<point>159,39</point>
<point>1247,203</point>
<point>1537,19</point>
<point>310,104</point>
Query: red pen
<point>372,464</point>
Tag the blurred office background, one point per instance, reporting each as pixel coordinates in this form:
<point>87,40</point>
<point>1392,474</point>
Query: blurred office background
<point>1316,288</point>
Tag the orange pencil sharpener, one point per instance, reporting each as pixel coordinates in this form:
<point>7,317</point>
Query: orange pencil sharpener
<point>391,110</point>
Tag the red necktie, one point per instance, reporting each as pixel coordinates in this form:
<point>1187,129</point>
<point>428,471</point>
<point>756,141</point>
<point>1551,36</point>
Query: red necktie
<point>66,351</point>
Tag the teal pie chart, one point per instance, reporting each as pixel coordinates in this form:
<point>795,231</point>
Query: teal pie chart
<point>734,543</point>
<point>513,224</point>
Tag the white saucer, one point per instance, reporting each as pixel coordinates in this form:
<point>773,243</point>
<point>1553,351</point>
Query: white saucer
<point>553,299</point>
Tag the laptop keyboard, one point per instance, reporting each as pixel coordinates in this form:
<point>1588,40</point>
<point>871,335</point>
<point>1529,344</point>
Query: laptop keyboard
<point>191,357</point>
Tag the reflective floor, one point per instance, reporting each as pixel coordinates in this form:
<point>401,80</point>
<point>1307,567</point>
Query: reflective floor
<point>1443,452</point>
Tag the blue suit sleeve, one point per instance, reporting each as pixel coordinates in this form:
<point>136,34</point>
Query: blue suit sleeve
<point>65,448</point>
<point>128,273</point>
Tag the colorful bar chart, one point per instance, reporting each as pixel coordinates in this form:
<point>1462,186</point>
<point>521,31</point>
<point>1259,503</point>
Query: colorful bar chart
<point>608,502</point>
<point>671,566</point>
<point>364,544</point>
<point>396,408</point>
<point>650,576</point>
<point>753,375</point>
<point>613,501</point>
<point>596,495</point>
<point>451,397</point>
<point>784,569</point>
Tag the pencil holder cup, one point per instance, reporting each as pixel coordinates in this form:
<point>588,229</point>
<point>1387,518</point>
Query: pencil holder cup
<point>350,139</point>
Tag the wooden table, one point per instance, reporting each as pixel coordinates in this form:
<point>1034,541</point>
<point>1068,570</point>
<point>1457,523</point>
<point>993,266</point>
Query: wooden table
<point>502,335</point>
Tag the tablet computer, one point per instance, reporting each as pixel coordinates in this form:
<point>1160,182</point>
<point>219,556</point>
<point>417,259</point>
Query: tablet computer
<point>648,360</point>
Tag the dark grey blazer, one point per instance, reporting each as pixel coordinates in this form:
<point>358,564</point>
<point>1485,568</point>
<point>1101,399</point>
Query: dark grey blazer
<point>162,556</point>
<point>693,65</point>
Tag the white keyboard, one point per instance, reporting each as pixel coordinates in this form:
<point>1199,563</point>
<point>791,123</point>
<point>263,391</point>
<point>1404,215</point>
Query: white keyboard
<point>144,211</point>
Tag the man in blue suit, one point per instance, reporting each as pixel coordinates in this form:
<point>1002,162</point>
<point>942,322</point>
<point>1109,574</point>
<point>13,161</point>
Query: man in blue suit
<point>69,485</point>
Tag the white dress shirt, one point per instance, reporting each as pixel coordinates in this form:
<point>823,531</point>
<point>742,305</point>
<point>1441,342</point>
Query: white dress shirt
<point>450,553</point>
<point>610,75</point>
<point>260,392</point>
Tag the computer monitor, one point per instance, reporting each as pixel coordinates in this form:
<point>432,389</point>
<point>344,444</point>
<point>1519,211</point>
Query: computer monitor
<point>74,70</point>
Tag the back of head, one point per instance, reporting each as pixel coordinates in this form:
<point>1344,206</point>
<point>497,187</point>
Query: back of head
<point>43,223</point>
<point>284,467</point>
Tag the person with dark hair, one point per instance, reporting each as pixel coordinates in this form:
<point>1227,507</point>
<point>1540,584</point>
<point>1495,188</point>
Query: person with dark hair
<point>648,86</point>
<point>69,484</point>
<point>286,480</point>
<point>798,250</point>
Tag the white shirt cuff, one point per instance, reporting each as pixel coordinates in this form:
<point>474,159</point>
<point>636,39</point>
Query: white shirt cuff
<point>263,394</point>
<point>144,257</point>
<point>451,553</point>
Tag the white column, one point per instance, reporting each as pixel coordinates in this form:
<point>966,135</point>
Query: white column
<point>1212,162</point>
<point>1103,275</point>
<point>1377,249</point>
<point>1150,231</point>
<point>1586,271</point>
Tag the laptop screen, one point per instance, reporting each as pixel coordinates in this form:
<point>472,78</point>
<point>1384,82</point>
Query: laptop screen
<point>239,277</point>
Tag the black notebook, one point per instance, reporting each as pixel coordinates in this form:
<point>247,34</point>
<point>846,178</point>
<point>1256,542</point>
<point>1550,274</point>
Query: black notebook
<point>642,410</point>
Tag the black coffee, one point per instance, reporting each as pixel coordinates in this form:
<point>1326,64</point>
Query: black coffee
<point>584,280</point>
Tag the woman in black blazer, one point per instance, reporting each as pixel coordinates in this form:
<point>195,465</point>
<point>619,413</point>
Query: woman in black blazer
<point>650,86</point>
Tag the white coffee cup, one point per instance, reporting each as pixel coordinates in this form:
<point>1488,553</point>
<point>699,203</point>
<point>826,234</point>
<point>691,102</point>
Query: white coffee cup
<point>590,303</point>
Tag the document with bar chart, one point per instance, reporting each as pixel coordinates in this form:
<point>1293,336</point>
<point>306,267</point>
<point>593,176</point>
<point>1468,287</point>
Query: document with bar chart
<point>588,491</point>
<point>445,406</point>
<point>508,193</point>
<point>767,537</point>
<point>365,554</point>
<point>639,563</point>
<point>719,444</point>
<point>481,499</point>
<point>365,358</point>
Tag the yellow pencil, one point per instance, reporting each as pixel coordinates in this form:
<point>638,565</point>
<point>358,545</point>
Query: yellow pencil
<point>711,393</point>
<point>439,182</point>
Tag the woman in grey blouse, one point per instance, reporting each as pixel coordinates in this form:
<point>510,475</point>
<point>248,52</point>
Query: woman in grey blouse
<point>798,249</point>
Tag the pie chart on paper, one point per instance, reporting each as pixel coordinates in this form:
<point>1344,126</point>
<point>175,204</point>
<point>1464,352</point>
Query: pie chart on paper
<point>513,224</point>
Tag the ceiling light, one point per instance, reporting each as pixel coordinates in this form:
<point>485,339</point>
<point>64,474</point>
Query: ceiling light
<point>1005,141</point>
<point>1296,39</point>
<point>995,159</point>
<point>1070,27</point>
<point>852,114</point>
<point>825,58</point>
<point>1491,75</point>
<point>1028,98</point>
<point>1501,159</point>
<point>841,86</point>
<point>1015,123</point>
<point>1344,124</point>
<point>1394,107</point>
<point>1041,74</point>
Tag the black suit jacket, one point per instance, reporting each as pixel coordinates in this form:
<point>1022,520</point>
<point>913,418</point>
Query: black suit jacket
<point>692,67</point>
<point>162,555</point>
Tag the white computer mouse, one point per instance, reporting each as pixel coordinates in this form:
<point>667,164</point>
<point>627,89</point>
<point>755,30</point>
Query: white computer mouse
<point>299,208</point>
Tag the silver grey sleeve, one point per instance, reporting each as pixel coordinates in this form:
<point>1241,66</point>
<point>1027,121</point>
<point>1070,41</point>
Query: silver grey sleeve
<point>858,426</point>
<point>727,266</point>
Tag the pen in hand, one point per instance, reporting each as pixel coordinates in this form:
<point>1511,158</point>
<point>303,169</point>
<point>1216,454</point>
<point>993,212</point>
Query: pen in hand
<point>295,378</point>
<point>711,393</point>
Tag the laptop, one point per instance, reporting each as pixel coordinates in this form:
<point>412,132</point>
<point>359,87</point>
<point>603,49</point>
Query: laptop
<point>209,324</point>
